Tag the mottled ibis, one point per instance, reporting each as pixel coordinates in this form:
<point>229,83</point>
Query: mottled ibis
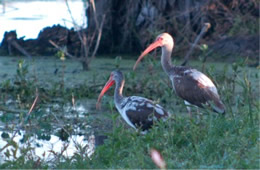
<point>138,112</point>
<point>194,87</point>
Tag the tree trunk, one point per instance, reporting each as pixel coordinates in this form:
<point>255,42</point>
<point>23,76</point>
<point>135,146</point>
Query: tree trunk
<point>85,65</point>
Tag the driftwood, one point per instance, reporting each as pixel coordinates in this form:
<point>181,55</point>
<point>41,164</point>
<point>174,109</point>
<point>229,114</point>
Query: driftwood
<point>15,44</point>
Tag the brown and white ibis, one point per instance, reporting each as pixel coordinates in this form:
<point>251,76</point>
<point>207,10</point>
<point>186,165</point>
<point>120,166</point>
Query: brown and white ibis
<point>194,87</point>
<point>138,112</point>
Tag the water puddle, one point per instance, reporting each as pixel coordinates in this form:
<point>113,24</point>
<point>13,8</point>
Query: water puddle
<point>13,147</point>
<point>62,130</point>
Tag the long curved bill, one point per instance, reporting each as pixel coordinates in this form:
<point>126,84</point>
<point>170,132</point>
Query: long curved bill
<point>109,83</point>
<point>157,43</point>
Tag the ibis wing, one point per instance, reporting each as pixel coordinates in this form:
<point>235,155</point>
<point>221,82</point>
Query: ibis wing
<point>196,88</point>
<point>143,112</point>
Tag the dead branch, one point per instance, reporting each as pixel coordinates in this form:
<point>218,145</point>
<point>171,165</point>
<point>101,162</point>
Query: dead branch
<point>18,47</point>
<point>98,38</point>
<point>21,123</point>
<point>92,2</point>
<point>74,22</point>
<point>203,30</point>
<point>71,16</point>
<point>61,49</point>
<point>33,105</point>
<point>88,36</point>
<point>29,112</point>
<point>94,11</point>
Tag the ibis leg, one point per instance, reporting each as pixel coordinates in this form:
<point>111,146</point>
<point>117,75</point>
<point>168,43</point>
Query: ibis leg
<point>188,108</point>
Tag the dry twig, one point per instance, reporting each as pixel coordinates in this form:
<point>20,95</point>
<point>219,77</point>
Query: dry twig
<point>61,49</point>
<point>203,30</point>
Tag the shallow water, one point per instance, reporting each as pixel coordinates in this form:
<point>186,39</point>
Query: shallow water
<point>43,149</point>
<point>48,149</point>
<point>28,18</point>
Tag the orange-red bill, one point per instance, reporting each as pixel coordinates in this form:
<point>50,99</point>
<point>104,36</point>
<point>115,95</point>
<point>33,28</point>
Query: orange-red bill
<point>109,83</point>
<point>151,47</point>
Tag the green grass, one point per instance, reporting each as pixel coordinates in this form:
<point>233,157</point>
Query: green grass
<point>207,141</point>
<point>215,142</point>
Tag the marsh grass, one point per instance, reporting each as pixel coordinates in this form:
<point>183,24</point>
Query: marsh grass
<point>205,141</point>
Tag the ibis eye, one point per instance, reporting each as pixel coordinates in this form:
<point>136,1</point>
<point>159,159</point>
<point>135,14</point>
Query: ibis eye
<point>160,39</point>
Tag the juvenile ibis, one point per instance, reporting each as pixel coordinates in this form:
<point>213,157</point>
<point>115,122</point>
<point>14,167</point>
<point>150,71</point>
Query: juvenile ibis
<point>138,112</point>
<point>194,87</point>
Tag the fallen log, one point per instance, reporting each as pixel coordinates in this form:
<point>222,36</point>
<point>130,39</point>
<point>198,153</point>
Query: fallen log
<point>15,44</point>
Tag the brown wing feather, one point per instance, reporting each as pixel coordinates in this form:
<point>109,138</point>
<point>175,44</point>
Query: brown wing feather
<point>145,114</point>
<point>190,90</point>
<point>196,93</point>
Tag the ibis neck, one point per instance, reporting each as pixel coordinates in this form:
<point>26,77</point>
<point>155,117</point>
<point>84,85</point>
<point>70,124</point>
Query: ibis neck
<point>118,96</point>
<point>166,58</point>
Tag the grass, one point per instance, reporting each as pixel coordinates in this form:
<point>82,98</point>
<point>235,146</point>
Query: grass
<point>208,141</point>
<point>222,143</point>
